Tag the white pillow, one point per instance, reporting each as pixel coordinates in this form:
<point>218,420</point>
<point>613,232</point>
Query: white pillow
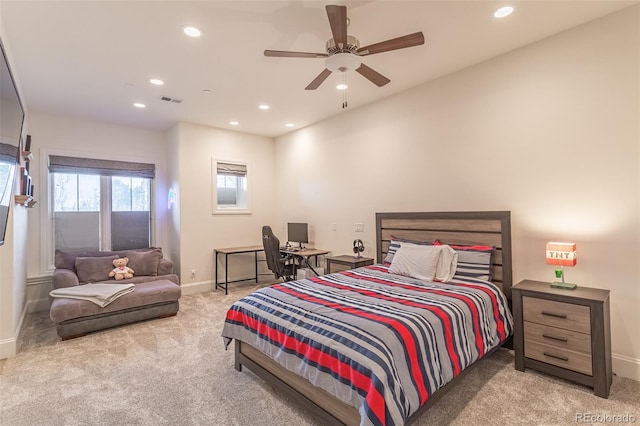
<point>447,264</point>
<point>416,261</point>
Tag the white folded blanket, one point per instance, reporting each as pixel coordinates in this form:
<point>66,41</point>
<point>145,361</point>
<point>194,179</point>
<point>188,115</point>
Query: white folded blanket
<point>100,294</point>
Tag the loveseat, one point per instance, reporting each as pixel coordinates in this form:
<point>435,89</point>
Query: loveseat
<point>156,292</point>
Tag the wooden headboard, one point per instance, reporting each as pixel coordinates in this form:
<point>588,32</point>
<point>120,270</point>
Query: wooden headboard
<point>491,228</point>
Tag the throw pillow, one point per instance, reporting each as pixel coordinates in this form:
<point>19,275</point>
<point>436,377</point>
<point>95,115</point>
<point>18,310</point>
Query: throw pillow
<point>474,261</point>
<point>447,264</point>
<point>395,244</point>
<point>416,261</point>
<point>94,269</point>
<point>145,262</point>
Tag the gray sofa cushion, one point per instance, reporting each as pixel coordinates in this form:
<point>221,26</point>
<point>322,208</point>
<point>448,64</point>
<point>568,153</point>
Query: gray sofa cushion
<point>144,262</point>
<point>67,260</point>
<point>94,269</point>
<point>145,293</point>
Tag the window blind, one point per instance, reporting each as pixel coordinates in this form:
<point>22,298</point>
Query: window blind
<point>231,169</point>
<point>62,164</point>
<point>8,153</point>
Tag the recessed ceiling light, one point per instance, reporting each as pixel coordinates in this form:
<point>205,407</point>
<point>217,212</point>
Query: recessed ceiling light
<point>264,107</point>
<point>503,12</point>
<point>234,123</point>
<point>139,105</point>
<point>191,31</point>
<point>289,124</point>
<point>207,91</point>
<point>342,86</point>
<point>156,81</point>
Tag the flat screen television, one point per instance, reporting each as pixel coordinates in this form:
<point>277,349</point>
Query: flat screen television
<point>297,233</point>
<point>11,121</point>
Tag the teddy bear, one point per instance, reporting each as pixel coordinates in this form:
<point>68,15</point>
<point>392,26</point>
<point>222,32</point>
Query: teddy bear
<point>121,270</point>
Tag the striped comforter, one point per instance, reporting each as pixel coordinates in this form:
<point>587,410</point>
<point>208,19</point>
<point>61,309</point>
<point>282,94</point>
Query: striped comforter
<point>380,342</point>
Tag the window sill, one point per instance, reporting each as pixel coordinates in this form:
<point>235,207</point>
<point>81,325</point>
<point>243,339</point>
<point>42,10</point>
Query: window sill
<point>232,211</point>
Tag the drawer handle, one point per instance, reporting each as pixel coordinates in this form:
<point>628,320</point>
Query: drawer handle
<point>560,357</point>
<point>560,339</point>
<point>554,314</point>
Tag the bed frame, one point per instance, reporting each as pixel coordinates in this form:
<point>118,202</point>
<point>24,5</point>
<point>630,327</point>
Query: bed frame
<point>480,228</point>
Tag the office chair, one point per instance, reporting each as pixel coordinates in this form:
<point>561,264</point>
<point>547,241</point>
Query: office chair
<point>282,266</point>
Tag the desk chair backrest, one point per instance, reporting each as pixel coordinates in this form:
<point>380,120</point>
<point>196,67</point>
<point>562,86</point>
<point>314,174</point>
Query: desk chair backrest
<point>271,245</point>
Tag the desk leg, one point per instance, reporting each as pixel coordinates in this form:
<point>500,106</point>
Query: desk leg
<point>255,253</point>
<point>215,268</point>
<point>226,273</point>
<point>307,264</point>
<point>311,267</point>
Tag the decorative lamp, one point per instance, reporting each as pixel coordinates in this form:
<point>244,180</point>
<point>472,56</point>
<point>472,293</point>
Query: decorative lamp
<point>561,254</point>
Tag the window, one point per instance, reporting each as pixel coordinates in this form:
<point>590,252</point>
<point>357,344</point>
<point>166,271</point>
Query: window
<point>231,183</point>
<point>97,206</point>
<point>130,212</point>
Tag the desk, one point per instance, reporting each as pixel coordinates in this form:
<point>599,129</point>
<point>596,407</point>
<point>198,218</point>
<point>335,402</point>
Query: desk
<point>304,256</point>
<point>227,252</point>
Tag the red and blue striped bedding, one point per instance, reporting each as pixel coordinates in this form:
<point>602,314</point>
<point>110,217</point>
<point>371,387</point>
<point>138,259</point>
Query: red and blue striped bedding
<point>380,342</point>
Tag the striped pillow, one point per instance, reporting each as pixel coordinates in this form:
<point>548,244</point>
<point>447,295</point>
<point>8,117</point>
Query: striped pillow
<point>474,262</point>
<point>395,245</point>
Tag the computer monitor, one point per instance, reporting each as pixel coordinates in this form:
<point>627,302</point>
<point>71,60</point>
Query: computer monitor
<point>297,233</point>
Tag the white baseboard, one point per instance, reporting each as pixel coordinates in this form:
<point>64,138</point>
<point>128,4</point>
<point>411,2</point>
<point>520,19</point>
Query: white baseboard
<point>625,366</point>
<point>40,280</point>
<point>197,287</point>
<point>8,348</point>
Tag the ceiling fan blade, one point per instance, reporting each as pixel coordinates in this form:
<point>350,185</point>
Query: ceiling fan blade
<point>373,76</point>
<point>318,80</point>
<point>286,54</point>
<point>409,40</point>
<point>338,22</point>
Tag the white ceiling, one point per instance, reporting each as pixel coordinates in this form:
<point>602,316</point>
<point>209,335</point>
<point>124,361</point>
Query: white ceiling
<point>94,58</point>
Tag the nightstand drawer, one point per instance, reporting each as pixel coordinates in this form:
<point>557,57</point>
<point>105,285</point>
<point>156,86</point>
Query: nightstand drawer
<point>557,337</point>
<point>557,314</point>
<point>338,267</point>
<point>346,262</point>
<point>557,356</point>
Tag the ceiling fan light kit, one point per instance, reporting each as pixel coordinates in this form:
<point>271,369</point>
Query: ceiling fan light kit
<point>342,62</point>
<point>343,51</point>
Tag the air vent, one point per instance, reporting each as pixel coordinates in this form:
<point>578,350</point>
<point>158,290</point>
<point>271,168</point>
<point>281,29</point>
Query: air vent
<point>169,99</point>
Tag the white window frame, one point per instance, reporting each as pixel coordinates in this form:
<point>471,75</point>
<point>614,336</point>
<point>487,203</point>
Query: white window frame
<point>222,209</point>
<point>47,221</point>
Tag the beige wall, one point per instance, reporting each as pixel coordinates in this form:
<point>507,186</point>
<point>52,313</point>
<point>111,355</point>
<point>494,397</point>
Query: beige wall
<point>13,255</point>
<point>172,229</point>
<point>549,132</point>
<point>200,230</point>
<point>65,135</point>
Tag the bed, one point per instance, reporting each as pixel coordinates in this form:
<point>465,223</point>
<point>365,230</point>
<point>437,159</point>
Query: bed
<point>369,346</point>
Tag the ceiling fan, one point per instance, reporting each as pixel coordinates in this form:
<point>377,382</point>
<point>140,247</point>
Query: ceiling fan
<point>343,51</point>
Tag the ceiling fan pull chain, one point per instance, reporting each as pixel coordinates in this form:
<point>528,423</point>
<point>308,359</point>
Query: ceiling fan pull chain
<point>344,91</point>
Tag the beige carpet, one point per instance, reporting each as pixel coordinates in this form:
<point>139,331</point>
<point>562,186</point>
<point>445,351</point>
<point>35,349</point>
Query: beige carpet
<point>175,371</point>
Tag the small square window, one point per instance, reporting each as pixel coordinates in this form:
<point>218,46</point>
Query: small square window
<point>230,187</point>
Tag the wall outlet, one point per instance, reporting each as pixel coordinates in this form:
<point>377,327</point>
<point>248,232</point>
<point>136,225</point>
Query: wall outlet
<point>333,226</point>
<point>193,273</point>
<point>359,227</point>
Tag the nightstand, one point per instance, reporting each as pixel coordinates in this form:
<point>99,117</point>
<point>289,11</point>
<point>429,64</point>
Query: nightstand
<point>563,332</point>
<point>345,262</point>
